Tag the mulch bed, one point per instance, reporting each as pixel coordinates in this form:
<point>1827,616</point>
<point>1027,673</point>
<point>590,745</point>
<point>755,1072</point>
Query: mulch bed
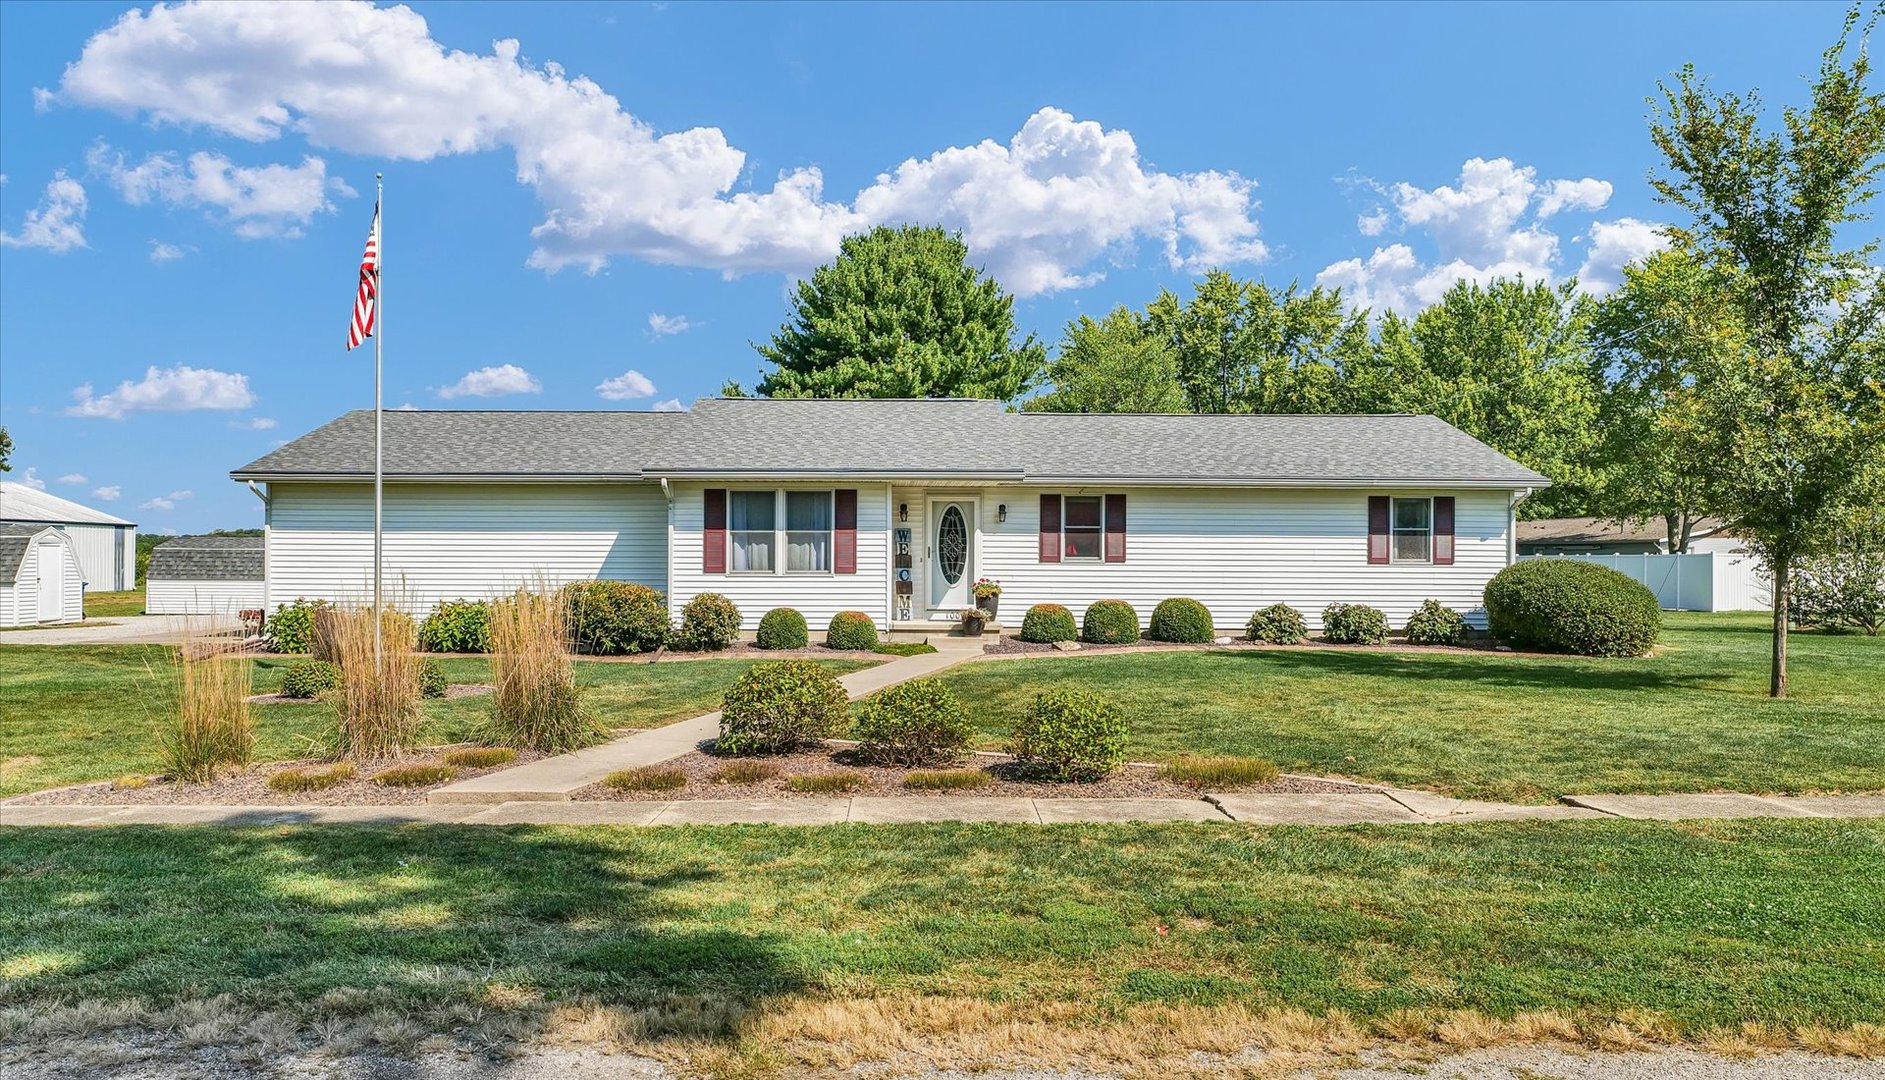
<point>1010,780</point>
<point>1010,645</point>
<point>743,650</point>
<point>250,787</point>
<point>456,690</point>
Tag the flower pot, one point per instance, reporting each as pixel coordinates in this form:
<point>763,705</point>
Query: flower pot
<point>990,604</point>
<point>972,627</point>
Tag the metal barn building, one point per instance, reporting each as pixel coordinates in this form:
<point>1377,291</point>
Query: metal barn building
<point>106,546</point>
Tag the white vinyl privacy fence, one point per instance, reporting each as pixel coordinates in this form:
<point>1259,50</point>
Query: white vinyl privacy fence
<point>1716,581</point>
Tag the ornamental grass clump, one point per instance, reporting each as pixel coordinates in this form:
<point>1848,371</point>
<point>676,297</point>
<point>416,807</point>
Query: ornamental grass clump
<point>1436,624</point>
<point>1181,620</point>
<point>418,774</point>
<point>1048,623</point>
<point>647,778</point>
<point>311,777</point>
<point>947,779</point>
<point>782,628</point>
<point>377,707</point>
<point>780,706</point>
<point>1109,622</point>
<point>208,727</point>
<point>1278,624</point>
<point>1071,735</point>
<point>536,705</point>
<point>919,722</point>
<point>479,757</point>
<point>745,772</point>
<point>1204,771</point>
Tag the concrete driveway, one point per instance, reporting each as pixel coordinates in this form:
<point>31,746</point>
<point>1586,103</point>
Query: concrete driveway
<point>122,630</point>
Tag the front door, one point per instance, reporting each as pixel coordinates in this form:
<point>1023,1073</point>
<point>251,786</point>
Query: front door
<point>952,556</point>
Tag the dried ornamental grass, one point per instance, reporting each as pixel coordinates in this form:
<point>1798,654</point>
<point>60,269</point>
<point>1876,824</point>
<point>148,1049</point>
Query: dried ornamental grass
<point>209,726</point>
<point>647,778</point>
<point>745,772</point>
<point>1201,771</point>
<point>378,709</point>
<point>947,779</point>
<point>537,706</point>
<point>480,757</point>
<point>419,774</point>
<point>310,777</point>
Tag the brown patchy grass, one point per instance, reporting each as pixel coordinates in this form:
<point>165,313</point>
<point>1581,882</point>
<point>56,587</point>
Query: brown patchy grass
<point>647,778</point>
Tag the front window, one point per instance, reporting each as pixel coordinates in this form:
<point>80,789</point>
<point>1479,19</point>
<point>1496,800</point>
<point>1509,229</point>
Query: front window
<point>1413,530</point>
<point>1080,531</point>
<point>807,532</point>
<point>752,518</point>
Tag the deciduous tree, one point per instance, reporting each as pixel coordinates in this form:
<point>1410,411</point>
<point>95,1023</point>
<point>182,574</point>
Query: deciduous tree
<point>1116,365</point>
<point>1244,347</point>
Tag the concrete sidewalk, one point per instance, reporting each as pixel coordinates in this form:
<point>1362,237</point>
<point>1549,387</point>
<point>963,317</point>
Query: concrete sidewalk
<point>123,630</point>
<point>552,779</point>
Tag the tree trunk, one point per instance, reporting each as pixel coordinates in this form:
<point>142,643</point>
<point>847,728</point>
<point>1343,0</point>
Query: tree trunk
<point>1777,677</point>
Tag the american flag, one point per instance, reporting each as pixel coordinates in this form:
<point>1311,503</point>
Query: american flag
<point>366,299</point>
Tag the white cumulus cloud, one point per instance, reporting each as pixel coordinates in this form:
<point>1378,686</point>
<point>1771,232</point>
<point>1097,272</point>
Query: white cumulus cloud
<point>670,405</point>
<point>661,326</point>
<point>1490,223</point>
<point>628,385</point>
<point>31,479</point>
<point>108,493</point>
<point>258,202</point>
<point>254,423</point>
<point>73,478</point>
<point>1614,245</point>
<point>1038,209</point>
<point>159,503</point>
<point>492,382</point>
<point>163,253</point>
<point>178,389</point>
<point>57,223</point>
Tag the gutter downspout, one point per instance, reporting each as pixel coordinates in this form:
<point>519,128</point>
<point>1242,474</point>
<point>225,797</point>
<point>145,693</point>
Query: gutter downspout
<point>268,533</point>
<point>1511,525</point>
<point>667,556</point>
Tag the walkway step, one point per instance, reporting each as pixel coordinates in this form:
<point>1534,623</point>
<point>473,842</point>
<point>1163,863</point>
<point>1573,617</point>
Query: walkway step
<point>553,779</point>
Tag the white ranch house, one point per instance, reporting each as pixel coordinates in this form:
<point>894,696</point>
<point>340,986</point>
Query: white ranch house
<point>895,507</point>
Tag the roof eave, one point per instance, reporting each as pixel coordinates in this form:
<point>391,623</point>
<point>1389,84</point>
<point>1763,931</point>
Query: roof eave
<point>245,475</point>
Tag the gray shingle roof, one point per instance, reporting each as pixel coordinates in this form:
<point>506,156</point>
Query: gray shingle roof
<point>14,540</point>
<point>900,438</point>
<point>207,558</point>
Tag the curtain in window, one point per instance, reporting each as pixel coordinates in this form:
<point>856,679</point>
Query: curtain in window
<point>807,531</point>
<point>1413,538</point>
<point>751,517</point>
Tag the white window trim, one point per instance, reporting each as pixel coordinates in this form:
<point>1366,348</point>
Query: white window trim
<point>1064,557</point>
<point>779,532</point>
<point>1393,532</point>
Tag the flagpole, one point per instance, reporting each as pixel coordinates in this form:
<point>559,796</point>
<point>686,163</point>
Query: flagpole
<point>379,455</point>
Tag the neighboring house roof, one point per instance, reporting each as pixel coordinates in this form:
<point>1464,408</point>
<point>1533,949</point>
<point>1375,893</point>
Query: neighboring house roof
<point>14,540</point>
<point>207,558</point>
<point>1588,530</point>
<point>21,503</point>
<point>896,438</point>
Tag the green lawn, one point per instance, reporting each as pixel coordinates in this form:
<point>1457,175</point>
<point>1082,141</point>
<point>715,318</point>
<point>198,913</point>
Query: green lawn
<point>71,713</point>
<point>1694,718</point>
<point>106,605</point>
<point>1703,925</point>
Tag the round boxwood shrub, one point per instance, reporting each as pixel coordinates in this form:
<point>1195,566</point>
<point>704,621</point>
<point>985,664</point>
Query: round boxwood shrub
<point>1183,620</point>
<point>309,679</point>
<point>1048,623</point>
<point>431,678</point>
<point>457,626</point>
<point>1071,735</point>
<point>782,628</point>
<point>610,618</point>
<point>708,622</point>
<point>851,630</point>
<point>1436,624</point>
<point>779,706</point>
<point>1110,622</point>
<point>1565,605</point>
<point>291,628</point>
<point>914,723</point>
<point>1354,624</point>
<point>1278,624</point>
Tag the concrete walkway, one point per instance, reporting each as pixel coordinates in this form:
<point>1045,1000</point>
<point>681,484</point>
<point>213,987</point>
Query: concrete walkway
<point>122,630</point>
<point>1390,806</point>
<point>552,779</point>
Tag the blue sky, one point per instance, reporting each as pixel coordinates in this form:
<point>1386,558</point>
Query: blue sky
<point>606,213</point>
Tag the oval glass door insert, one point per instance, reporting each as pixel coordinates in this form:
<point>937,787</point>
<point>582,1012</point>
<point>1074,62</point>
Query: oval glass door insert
<point>952,543</point>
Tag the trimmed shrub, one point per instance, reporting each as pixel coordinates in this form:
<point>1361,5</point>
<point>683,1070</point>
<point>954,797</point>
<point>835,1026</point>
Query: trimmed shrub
<point>1110,622</point>
<point>782,628</point>
<point>919,722</point>
<point>1201,771</point>
<point>479,757</point>
<point>745,772</point>
<point>432,678</point>
<point>1436,624</point>
<point>647,778</point>
<point>1278,624</point>
<point>292,626</point>
<point>310,778</point>
<point>457,626</point>
<point>614,618</point>
<point>851,630</point>
<point>306,679</point>
<point>1354,624</point>
<point>708,622</point>
<point>1182,619</point>
<point>1566,605</point>
<point>1071,735</point>
<point>827,783</point>
<point>1047,623</point>
<point>418,774</point>
<point>779,706</point>
<point>947,779</point>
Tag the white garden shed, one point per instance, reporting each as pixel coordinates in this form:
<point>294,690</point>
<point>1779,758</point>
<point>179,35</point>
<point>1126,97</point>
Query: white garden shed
<point>106,546</point>
<point>39,577</point>
<point>205,575</point>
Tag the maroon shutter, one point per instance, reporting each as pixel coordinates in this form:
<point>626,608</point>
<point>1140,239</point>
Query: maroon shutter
<point>1050,528</point>
<point>1377,530</point>
<point>1443,530</point>
<point>844,540</point>
<point>713,533</point>
<point>1115,528</point>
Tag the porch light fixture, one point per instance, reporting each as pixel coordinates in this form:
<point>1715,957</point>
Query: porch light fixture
<point>1001,512</point>
<point>903,511</point>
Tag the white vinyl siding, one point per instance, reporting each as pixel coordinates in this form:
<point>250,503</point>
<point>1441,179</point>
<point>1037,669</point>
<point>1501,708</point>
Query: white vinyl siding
<point>445,541</point>
<point>19,602</point>
<point>817,595</point>
<point>202,597</point>
<point>1235,550</point>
